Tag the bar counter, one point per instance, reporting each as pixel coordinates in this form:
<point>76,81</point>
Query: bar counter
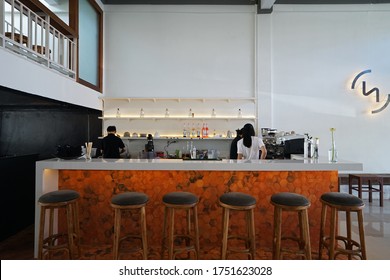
<point>97,180</point>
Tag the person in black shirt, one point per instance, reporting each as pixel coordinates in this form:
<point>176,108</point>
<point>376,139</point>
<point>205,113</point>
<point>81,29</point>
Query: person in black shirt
<point>233,147</point>
<point>112,145</point>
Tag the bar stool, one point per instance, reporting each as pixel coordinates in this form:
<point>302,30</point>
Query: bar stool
<point>347,203</point>
<point>180,201</point>
<point>54,242</point>
<point>129,202</point>
<point>237,201</point>
<point>291,202</point>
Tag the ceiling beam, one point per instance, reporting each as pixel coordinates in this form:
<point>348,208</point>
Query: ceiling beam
<point>265,6</point>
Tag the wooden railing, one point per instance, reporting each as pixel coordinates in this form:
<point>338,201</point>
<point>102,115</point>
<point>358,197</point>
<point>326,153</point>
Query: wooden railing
<point>29,34</point>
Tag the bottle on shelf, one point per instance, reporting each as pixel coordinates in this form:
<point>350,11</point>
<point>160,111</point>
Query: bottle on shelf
<point>166,113</point>
<point>213,113</point>
<point>184,131</point>
<point>193,131</point>
<point>188,131</point>
<point>118,113</point>
<point>142,113</point>
<point>239,114</point>
<point>198,131</point>
<point>190,115</point>
<point>205,131</point>
<point>193,153</point>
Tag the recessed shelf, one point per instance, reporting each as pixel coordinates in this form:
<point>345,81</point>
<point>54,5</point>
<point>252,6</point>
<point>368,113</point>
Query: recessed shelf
<point>174,138</point>
<point>177,118</point>
<point>131,99</point>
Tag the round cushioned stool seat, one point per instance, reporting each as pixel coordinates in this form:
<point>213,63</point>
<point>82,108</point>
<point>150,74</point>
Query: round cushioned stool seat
<point>180,198</point>
<point>342,199</point>
<point>290,199</point>
<point>237,199</point>
<point>130,198</point>
<point>59,196</point>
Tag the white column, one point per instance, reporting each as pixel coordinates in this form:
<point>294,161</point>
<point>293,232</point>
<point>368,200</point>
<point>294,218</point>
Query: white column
<point>264,70</point>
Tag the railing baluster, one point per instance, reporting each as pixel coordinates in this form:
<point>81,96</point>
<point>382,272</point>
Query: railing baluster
<point>39,32</point>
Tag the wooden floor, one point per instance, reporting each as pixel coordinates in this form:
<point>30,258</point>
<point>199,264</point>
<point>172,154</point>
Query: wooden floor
<point>19,246</point>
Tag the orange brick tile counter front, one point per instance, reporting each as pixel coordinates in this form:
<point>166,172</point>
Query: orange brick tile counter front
<point>98,186</point>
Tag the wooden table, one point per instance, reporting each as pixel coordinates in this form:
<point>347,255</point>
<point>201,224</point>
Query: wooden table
<point>368,179</point>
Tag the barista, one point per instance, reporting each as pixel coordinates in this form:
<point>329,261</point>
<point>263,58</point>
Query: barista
<point>233,146</point>
<point>249,146</point>
<point>112,145</point>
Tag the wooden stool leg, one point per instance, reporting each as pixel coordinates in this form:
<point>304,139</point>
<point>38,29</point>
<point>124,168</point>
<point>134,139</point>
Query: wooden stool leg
<point>76,227</point>
<point>322,230</point>
<point>225,231</point>
<point>143,234</point>
<point>164,238</point>
<point>381,192</point>
<point>117,229</point>
<point>332,242</point>
<point>41,232</point>
<point>51,231</point>
<point>171,233</point>
<point>349,245</point>
<point>188,239</point>
<point>360,188</point>
<point>69,221</point>
<point>277,233</point>
<point>195,213</point>
<point>361,235</point>
<point>252,234</point>
<point>369,190</point>
<point>306,234</point>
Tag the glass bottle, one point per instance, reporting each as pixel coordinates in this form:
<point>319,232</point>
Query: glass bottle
<point>213,113</point>
<point>142,113</point>
<point>166,113</point>
<point>190,113</point>
<point>184,131</point>
<point>118,113</point>
<point>239,114</point>
<point>316,144</point>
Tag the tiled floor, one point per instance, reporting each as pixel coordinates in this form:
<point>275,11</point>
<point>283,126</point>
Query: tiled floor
<point>377,231</point>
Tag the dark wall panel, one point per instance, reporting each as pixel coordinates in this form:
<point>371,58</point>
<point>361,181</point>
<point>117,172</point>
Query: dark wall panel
<point>39,131</point>
<point>32,124</point>
<point>31,127</point>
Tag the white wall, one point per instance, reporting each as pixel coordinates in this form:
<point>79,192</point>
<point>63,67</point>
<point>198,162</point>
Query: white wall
<point>315,53</point>
<point>303,57</point>
<point>178,51</point>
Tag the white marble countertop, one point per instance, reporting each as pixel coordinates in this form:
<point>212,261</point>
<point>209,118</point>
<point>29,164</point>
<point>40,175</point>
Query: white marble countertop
<point>320,164</point>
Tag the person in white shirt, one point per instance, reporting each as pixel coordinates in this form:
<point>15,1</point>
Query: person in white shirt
<point>249,146</point>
